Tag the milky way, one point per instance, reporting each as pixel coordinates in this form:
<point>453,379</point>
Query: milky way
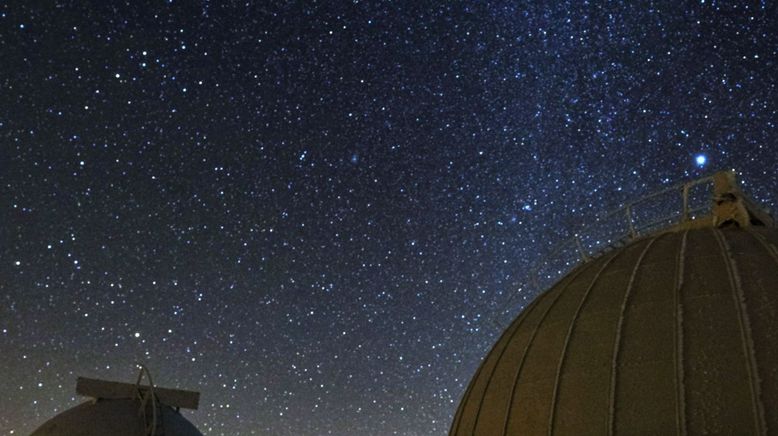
<point>312,213</point>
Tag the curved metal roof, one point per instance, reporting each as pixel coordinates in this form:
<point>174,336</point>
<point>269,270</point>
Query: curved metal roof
<point>674,333</point>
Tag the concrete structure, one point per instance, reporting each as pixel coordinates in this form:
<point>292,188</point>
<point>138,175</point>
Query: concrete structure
<point>124,409</point>
<point>674,333</point>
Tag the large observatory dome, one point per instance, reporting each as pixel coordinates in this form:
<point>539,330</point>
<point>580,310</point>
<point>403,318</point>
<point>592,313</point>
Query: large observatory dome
<point>674,333</point>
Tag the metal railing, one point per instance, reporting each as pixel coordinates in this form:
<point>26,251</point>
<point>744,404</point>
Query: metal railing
<point>659,210</point>
<point>144,395</point>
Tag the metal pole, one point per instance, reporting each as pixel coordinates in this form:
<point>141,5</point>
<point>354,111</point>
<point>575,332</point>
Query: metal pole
<point>584,256</point>
<point>632,233</point>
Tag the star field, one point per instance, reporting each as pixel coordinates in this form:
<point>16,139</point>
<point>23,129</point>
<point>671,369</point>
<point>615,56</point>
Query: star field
<point>313,212</point>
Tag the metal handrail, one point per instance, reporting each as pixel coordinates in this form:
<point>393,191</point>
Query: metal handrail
<point>634,230</point>
<point>144,398</point>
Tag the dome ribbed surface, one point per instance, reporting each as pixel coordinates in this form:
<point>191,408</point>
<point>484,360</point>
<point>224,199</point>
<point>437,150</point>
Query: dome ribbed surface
<point>676,333</point>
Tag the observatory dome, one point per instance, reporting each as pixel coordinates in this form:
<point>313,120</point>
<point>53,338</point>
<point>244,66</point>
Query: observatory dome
<point>674,333</point>
<point>115,417</point>
<point>124,409</point>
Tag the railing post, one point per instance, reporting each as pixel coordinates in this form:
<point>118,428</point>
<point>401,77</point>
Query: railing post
<point>685,212</point>
<point>632,233</point>
<point>584,256</point>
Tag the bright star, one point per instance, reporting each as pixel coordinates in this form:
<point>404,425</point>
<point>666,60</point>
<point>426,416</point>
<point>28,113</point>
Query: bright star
<point>700,159</point>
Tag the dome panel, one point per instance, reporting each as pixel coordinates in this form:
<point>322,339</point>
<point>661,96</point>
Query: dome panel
<point>758,277</point>
<point>644,391</point>
<point>715,373</point>
<point>501,383</point>
<point>537,379</point>
<point>584,370</point>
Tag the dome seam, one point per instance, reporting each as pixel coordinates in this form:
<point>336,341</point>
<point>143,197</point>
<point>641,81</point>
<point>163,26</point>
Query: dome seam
<point>746,334</point>
<point>619,326</point>
<point>680,387</point>
<point>768,246</point>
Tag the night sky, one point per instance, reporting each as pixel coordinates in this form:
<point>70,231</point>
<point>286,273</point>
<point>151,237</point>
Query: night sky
<point>312,212</point>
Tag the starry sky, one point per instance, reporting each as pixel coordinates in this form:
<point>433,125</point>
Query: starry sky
<point>312,212</point>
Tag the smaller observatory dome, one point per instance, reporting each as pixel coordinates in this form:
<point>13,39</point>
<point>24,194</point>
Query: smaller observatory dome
<point>123,409</point>
<point>676,332</point>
